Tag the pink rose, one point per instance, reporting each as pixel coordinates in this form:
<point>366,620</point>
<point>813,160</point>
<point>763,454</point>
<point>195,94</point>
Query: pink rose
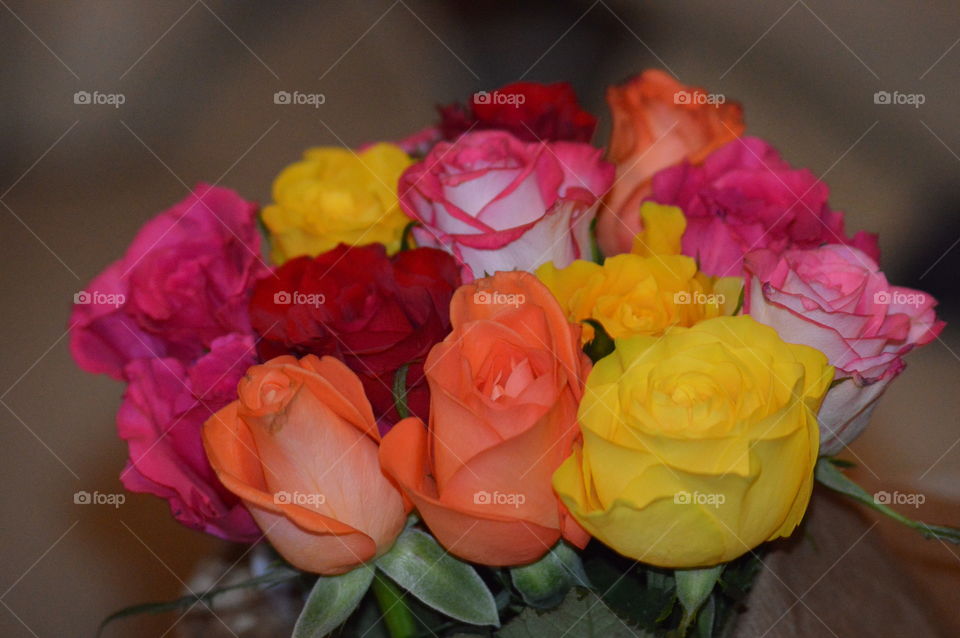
<point>184,281</point>
<point>497,203</point>
<point>835,299</point>
<point>744,197</point>
<point>161,419</point>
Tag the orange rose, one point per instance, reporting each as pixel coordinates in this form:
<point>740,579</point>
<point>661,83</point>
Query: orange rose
<point>657,122</point>
<point>505,386</point>
<point>299,447</point>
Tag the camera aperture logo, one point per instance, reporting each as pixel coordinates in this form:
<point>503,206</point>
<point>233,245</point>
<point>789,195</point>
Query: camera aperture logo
<point>685,297</point>
<point>900,298</point>
<point>484,497</point>
<point>97,298</point>
<point>699,98</point>
<point>911,99</point>
<point>495,298</point>
<point>98,98</point>
<point>298,98</point>
<point>297,298</point>
<point>298,498</point>
<point>699,498</point>
<point>499,97</point>
<point>899,498</point>
<point>84,497</point>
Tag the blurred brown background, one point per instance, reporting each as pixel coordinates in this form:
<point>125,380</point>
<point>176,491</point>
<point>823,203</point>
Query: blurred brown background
<point>78,180</point>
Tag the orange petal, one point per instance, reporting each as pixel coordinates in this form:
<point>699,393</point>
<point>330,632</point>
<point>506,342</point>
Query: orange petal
<point>489,539</point>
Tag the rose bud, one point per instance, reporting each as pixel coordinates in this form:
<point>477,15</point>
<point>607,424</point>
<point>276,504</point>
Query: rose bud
<point>299,447</point>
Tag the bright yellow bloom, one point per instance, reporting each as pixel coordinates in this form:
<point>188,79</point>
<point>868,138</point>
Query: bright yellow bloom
<point>336,196</point>
<point>633,295</point>
<point>698,445</point>
<point>663,228</point>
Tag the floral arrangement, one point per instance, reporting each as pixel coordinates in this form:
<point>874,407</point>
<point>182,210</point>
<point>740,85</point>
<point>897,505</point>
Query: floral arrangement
<point>493,376</point>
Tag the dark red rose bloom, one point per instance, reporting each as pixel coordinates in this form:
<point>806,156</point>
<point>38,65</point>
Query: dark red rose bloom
<point>530,110</point>
<point>375,313</point>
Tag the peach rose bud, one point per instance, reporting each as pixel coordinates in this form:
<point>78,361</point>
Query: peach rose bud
<point>657,122</point>
<point>300,448</point>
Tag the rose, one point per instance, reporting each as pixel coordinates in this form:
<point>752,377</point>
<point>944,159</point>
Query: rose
<point>698,445</point>
<point>335,195</point>
<point>532,111</point>
<point>375,313</point>
<point>745,196</point>
<point>161,416</point>
<point>299,447</point>
<point>657,122</point>
<point>504,386</point>
<point>497,203</point>
<point>184,282</point>
<point>834,298</point>
<point>631,295</point>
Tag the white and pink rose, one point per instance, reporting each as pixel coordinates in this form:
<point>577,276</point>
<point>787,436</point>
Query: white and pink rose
<point>497,203</point>
<point>834,298</point>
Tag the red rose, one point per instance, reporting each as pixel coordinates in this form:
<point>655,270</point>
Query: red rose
<point>530,110</point>
<point>372,312</point>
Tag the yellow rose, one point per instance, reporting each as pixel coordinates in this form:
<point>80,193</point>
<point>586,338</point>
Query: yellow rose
<point>337,196</point>
<point>632,295</point>
<point>662,233</point>
<point>698,445</point>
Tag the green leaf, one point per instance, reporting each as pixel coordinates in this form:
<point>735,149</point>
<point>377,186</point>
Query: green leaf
<point>418,564</point>
<point>693,588</point>
<point>266,580</point>
<point>396,614</point>
<point>331,601</point>
<point>643,596</point>
<point>406,240</point>
<point>830,475</point>
<point>400,391</point>
<point>582,614</point>
<point>739,307</point>
<point>601,345</point>
<point>544,584</point>
<point>595,251</point>
<point>707,618</point>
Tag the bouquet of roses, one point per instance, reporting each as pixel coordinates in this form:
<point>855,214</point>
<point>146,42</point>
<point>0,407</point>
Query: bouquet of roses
<point>474,350</point>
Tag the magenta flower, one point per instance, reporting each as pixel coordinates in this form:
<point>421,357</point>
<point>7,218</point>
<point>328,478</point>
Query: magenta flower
<point>161,418</point>
<point>184,281</point>
<point>745,197</point>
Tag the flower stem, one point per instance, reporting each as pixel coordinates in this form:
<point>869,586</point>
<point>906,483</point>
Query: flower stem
<point>396,614</point>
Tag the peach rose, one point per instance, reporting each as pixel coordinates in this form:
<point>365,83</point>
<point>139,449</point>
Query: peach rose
<point>657,122</point>
<point>299,447</point>
<point>505,386</point>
